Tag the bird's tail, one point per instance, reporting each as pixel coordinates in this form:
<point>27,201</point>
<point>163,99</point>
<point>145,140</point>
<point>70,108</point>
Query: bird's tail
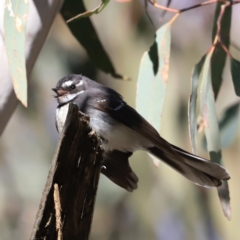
<point>198,170</point>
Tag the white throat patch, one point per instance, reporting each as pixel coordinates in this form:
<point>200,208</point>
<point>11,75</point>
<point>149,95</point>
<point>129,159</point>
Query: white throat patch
<point>61,115</point>
<point>68,97</point>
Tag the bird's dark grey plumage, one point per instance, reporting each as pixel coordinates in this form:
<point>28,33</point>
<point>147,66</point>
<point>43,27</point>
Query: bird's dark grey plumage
<point>123,130</point>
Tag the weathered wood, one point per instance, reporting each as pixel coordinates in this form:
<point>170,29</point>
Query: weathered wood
<point>75,172</point>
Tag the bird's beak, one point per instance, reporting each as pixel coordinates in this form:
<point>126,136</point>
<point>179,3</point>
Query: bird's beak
<point>59,92</point>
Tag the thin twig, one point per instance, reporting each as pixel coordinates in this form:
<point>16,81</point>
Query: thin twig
<point>235,2</point>
<point>163,7</point>
<point>90,13</point>
<point>223,7</point>
<point>57,204</point>
<point>154,3</point>
<point>174,18</point>
<point>167,5</point>
<point>213,46</point>
<point>146,11</point>
<point>201,5</point>
<point>226,50</point>
<point>219,21</point>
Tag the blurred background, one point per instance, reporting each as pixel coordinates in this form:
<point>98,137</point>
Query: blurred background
<point>165,206</point>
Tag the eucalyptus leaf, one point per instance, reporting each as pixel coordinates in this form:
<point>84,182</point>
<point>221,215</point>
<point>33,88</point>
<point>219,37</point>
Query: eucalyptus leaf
<point>86,34</point>
<point>235,71</point>
<point>15,20</point>
<point>219,55</point>
<point>211,129</point>
<point>192,104</point>
<point>227,126</point>
<point>153,78</point>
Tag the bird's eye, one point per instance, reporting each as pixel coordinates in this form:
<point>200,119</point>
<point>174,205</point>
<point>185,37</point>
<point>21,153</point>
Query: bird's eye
<point>73,87</point>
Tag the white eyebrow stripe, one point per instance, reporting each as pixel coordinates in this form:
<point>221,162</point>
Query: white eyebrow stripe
<point>80,83</point>
<point>67,83</point>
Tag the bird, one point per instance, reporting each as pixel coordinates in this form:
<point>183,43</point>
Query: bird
<point>122,131</point>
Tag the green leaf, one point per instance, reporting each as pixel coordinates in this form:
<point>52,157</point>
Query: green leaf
<point>97,10</point>
<point>192,104</point>
<point>219,55</point>
<point>211,129</point>
<point>227,126</point>
<point>85,33</point>
<point>208,110</point>
<point>15,19</point>
<point>224,196</point>
<point>235,71</point>
<point>153,77</point>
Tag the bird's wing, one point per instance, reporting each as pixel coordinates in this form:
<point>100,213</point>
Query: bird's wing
<point>116,167</point>
<point>196,169</point>
<point>123,113</point>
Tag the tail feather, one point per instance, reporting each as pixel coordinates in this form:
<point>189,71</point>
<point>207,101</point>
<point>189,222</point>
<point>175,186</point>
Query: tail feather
<point>203,164</point>
<point>198,170</point>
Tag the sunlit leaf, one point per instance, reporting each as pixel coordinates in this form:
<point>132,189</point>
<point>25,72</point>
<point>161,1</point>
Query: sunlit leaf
<point>219,55</point>
<point>227,125</point>
<point>208,110</point>
<point>192,105</point>
<point>15,19</point>
<point>97,10</point>
<point>85,33</point>
<point>235,71</point>
<point>153,77</point>
<point>224,196</point>
<point>211,129</point>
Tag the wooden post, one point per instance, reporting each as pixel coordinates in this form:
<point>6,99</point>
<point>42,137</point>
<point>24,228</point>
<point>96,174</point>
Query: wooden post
<point>67,204</point>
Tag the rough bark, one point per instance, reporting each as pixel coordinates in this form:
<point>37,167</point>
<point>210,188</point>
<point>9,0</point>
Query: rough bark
<point>67,204</point>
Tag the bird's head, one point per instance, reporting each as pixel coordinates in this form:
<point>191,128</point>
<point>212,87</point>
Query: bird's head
<point>69,88</point>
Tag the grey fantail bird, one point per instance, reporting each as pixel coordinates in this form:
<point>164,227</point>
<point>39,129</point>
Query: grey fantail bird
<point>123,131</point>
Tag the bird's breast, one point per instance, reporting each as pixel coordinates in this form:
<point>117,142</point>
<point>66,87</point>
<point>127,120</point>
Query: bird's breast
<point>61,115</point>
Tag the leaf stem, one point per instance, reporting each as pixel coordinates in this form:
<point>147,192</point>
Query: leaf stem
<point>218,34</point>
<point>154,3</point>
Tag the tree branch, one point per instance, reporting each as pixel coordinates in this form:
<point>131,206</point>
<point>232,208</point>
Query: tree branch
<point>75,172</point>
<point>40,19</point>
